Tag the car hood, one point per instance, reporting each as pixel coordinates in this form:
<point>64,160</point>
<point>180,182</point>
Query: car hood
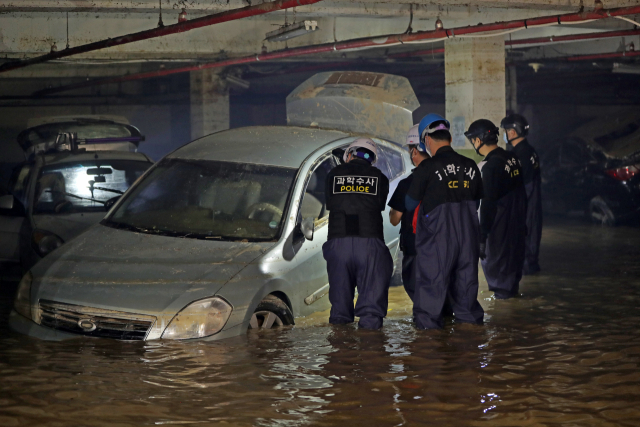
<point>136,272</point>
<point>67,226</point>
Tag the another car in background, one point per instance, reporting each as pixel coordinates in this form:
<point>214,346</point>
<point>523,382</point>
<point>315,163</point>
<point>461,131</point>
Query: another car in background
<point>76,169</point>
<point>596,171</point>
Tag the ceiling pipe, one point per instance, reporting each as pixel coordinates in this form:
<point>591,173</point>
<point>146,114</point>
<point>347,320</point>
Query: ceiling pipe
<point>536,41</point>
<point>363,43</point>
<point>625,54</point>
<point>161,31</point>
<point>573,37</point>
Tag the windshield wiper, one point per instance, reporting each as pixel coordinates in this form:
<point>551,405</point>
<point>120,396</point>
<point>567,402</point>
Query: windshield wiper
<point>74,195</point>
<point>109,189</point>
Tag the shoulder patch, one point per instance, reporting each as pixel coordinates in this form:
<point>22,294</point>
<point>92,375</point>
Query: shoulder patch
<point>355,185</point>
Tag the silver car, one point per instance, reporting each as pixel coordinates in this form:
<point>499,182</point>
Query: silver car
<point>222,235</point>
<point>225,233</point>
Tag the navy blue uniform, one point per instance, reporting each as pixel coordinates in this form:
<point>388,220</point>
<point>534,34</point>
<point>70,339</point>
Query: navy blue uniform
<point>447,241</point>
<point>407,237</point>
<point>356,254</point>
<point>501,211</point>
<point>532,183</point>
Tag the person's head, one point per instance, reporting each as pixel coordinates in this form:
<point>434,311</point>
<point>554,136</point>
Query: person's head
<point>483,135</point>
<point>434,132</point>
<point>361,148</point>
<point>515,127</point>
<point>416,151</point>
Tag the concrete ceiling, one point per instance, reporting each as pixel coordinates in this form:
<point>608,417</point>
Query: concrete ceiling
<point>29,28</point>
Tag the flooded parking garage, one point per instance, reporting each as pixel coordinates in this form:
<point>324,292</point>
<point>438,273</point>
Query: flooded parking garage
<point>565,353</point>
<point>163,177</point>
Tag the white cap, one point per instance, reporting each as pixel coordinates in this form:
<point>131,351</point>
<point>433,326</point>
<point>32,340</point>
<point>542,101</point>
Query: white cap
<point>412,137</point>
<point>361,143</point>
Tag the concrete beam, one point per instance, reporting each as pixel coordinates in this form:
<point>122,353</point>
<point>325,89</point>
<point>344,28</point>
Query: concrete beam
<point>339,7</point>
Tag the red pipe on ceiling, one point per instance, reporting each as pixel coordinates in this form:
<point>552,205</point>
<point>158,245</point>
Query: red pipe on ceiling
<point>379,41</point>
<point>573,37</point>
<point>536,40</point>
<point>603,56</point>
<point>180,27</point>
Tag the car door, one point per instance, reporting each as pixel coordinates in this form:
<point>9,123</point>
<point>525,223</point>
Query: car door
<point>11,222</point>
<point>310,272</point>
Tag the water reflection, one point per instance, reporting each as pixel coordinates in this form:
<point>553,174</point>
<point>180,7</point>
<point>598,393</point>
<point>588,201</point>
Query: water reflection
<point>565,353</point>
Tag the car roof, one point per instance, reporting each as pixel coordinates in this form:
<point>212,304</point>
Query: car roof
<point>68,156</point>
<point>285,146</point>
<point>617,137</point>
<point>38,121</point>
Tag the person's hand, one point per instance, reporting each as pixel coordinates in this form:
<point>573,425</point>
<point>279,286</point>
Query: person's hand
<point>483,250</point>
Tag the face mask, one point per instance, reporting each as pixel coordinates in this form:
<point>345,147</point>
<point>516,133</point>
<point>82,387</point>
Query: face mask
<point>478,148</point>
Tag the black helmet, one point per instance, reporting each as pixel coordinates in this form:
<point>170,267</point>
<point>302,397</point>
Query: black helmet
<point>516,122</point>
<point>485,130</point>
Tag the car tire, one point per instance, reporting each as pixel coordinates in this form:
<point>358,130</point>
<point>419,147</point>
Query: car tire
<point>271,313</point>
<point>601,213</point>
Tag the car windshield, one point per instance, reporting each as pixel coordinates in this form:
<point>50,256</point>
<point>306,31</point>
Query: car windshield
<point>84,186</point>
<point>208,200</point>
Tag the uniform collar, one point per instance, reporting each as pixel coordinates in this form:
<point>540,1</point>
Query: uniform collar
<point>493,152</point>
<point>358,161</point>
<point>522,144</point>
<point>444,149</point>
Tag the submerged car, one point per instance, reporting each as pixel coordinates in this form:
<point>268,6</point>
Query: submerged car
<point>77,168</point>
<point>596,171</point>
<point>222,235</point>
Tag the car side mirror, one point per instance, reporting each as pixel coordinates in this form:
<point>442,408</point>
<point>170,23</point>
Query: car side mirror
<point>9,205</point>
<point>307,228</point>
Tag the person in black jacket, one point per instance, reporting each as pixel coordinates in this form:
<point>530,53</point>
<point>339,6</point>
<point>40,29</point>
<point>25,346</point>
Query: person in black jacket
<point>515,134</point>
<point>447,188</point>
<point>502,211</point>
<point>355,251</point>
<point>399,214</point>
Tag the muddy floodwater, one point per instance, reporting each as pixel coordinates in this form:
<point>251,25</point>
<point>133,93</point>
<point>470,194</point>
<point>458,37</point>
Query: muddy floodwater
<point>566,353</point>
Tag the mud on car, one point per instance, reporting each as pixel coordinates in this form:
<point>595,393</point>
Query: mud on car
<point>225,233</point>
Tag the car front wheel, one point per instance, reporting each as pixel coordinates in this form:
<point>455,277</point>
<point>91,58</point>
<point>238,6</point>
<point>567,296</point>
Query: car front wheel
<point>601,213</point>
<point>272,312</point>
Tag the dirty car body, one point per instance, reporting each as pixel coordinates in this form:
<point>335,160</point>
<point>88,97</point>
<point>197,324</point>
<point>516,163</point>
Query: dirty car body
<point>200,241</point>
<point>596,171</point>
<point>59,193</point>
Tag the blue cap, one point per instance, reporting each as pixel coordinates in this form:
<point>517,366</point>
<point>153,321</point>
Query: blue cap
<point>426,122</point>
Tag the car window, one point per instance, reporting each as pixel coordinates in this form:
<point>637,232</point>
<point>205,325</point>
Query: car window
<point>208,200</point>
<point>393,160</point>
<point>574,153</point>
<point>314,200</point>
<point>85,186</point>
<point>20,181</point>
<point>389,161</point>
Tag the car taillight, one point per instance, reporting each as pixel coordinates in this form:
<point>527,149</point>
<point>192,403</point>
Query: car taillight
<point>624,173</point>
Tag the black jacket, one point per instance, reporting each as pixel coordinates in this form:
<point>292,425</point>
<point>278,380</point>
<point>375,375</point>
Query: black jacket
<point>356,196</point>
<point>447,177</point>
<point>501,175</point>
<point>529,159</point>
<point>407,237</point>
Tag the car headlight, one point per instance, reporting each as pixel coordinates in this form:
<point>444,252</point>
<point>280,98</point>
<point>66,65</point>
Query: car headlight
<point>199,319</point>
<point>44,242</point>
<point>22,303</point>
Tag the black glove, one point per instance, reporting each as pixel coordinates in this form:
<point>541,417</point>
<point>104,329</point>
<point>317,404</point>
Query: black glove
<point>483,250</point>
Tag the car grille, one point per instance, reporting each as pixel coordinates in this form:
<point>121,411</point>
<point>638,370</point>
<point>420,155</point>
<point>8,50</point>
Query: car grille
<point>95,322</point>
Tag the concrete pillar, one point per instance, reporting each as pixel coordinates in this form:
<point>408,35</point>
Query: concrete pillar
<point>475,85</point>
<point>209,103</point>
<point>512,89</point>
